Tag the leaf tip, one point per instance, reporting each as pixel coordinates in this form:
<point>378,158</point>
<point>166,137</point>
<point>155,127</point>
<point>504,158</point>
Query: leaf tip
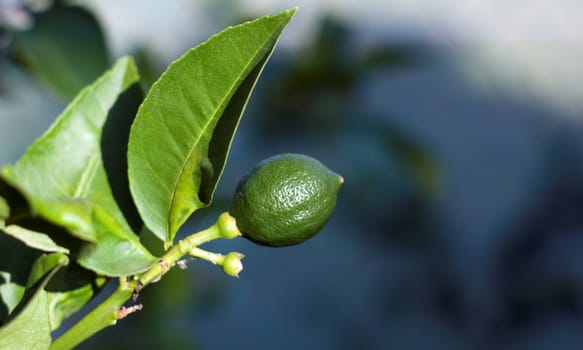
<point>290,13</point>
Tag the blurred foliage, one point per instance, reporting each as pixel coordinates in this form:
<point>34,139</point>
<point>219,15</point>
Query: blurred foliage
<point>309,100</point>
<point>312,88</point>
<point>65,48</point>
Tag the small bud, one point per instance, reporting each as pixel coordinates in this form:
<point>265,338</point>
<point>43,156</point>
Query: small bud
<point>232,264</point>
<point>228,226</point>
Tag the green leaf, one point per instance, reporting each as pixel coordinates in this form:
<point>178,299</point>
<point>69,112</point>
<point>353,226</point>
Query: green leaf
<point>33,239</point>
<point>65,49</point>
<point>4,211</point>
<point>72,214</point>
<point>29,327</point>
<point>66,161</point>
<point>68,290</point>
<point>10,292</point>
<point>108,247</point>
<point>62,180</point>
<point>45,264</point>
<point>117,251</point>
<point>63,304</point>
<point>16,261</point>
<point>15,203</point>
<point>183,131</point>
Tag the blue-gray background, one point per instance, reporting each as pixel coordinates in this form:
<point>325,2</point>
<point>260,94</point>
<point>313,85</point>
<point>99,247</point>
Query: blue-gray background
<point>457,127</point>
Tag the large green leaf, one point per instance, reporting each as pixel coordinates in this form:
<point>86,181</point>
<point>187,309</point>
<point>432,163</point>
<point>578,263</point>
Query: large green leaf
<point>63,182</point>
<point>66,161</point>
<point>109,249</point>
<point>182,133</point>
<point>106,247</point>
<point>29,327</point>
<point>65,49</point>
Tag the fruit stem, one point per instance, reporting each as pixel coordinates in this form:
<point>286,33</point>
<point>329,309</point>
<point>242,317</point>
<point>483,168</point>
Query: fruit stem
<point>112,309</point>
<point>214,258</point>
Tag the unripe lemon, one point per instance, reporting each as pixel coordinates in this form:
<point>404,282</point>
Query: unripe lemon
<point>285,199</point>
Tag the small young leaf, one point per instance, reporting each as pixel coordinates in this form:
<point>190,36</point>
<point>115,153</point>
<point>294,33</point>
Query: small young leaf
<point>10,294</point>
<point>33,239</point>
<point>45,264</point>
<point>29,326</point>
<point>182,133</point>
<point>63,303</point>
<point>68,290</point>
<point>16,261</point>
<point>66,161</point>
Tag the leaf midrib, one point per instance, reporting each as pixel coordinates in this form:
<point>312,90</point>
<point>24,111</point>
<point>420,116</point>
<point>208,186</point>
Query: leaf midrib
<point>195,144</point>
<point>84,182</point>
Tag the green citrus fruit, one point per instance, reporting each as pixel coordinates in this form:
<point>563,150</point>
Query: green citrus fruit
<point>285,200</point>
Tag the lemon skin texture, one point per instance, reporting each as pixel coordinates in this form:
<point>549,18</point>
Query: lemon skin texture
<point>285,199</point>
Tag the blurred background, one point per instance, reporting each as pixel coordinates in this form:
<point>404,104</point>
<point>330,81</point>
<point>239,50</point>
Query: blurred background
<point>457,126</point>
